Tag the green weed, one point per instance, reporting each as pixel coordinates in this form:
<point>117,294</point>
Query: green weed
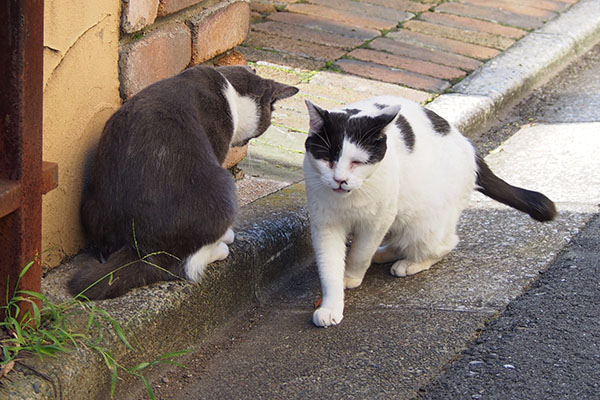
<point>47,328</point>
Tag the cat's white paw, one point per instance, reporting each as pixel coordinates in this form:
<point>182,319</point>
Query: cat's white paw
<point>399,268</point>
<point>220,252</point>
<point>228,237</point>
<point>405,268</point>
<point>351,283</point>
<point>327,317</point>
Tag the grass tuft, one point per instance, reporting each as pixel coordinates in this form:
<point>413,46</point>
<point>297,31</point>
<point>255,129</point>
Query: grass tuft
<point>49,328</point>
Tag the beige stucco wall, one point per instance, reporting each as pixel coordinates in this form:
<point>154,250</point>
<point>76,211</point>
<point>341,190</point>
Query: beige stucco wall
<point>81,91</point>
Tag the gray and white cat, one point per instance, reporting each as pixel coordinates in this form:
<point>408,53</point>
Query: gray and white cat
<point>157,184</point>
<point>395,177</point>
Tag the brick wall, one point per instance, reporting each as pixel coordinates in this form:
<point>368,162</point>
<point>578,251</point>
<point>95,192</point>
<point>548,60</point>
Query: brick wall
<point>160,38</point>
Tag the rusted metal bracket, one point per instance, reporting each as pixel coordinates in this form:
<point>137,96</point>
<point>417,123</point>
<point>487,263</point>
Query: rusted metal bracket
<point>23,176</point>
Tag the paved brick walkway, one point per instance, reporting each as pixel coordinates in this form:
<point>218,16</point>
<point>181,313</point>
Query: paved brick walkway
<point>426,44</point>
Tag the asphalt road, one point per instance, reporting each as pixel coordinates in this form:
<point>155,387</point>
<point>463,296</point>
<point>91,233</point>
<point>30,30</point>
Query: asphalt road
<point>546,344</point>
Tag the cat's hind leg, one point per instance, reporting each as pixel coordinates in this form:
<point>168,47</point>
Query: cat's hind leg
<point>228,237</point>
<point>196,264</point>
<point>386,254</point>
<point>424,256</point>
<point>403,268</point>
<point>364,245</point>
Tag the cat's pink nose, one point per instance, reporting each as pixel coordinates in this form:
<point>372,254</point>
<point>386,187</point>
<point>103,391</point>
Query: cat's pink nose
<point>340,181</point>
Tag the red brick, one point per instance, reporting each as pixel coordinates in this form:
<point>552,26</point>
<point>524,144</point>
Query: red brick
<point>158,54</point>
<point>219,29</point>
<point>386,74</point>
<point>463,35</point>
<point>408,64</point>
<point>325,25</point>
<point>345,17</point>
<point>308,35</point>
<point>364,9</point>
<point>276,57</point>
<point>426,54</point>
<point>472,24</point>
<point>520,9</point>
<point>263,7</point>
<point>448,45</point>
<point>232,57</point>
<point>404,5</point>
<point>295,46</point>
<point>137,14</point>
<point>167,7</point>
<point>543,4</point>
<point>491,14</point>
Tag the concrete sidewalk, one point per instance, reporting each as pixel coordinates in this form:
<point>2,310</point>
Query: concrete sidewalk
<point>272,240</point>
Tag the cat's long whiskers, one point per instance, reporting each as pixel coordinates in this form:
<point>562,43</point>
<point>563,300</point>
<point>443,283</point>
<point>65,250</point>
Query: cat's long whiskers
<point>320,145</point>
<point>326,136</point>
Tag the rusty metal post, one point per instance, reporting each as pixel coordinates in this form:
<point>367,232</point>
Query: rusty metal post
<point>21,80</point>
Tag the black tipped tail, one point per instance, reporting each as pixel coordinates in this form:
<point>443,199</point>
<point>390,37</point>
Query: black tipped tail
<point>122,272</point>
<point>538,206</point>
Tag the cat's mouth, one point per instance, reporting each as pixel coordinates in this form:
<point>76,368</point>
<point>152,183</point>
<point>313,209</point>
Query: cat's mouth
<point>340,190</point>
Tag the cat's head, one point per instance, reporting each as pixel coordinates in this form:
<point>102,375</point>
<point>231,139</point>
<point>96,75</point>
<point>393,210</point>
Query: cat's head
<point>256,100</point>
<point>345,146</point>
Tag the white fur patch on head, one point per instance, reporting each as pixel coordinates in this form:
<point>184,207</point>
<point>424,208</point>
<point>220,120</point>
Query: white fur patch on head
<point>244,113</point>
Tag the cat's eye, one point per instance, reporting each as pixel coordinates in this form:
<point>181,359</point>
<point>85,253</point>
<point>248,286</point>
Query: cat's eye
<point>356,163</point>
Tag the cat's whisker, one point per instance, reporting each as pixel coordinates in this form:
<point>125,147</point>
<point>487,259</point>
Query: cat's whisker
<point>320,145</point>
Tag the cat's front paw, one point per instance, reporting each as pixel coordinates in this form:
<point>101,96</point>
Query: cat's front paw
<point>352,283</point>
<point>325,317</point>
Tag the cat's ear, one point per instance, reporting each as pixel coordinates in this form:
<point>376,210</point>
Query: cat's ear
<point>389,113</point>
<point>317,116</point>
<point>282,91</point>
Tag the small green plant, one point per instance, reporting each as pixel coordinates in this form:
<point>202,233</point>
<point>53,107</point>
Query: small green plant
<point>46,328</point>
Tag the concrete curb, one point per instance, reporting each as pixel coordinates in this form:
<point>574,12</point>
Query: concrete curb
<point>501,82</point>
<point>271,242</point>
<point>272,235</point>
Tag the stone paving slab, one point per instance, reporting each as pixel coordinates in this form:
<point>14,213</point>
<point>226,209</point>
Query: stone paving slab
<point>348,17</point>
<point>407,63</point>
<point>326,25</point>
<point>472,24</point>
<point>418,52</point>
<point>492,14</point>
<point>478,38</point>
<point>440,43</point>
<point>459,35</point>
<point>392,75</point>
<point>296,361</point>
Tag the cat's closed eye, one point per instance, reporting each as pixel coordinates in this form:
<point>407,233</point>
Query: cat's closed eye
<point>356,163</point>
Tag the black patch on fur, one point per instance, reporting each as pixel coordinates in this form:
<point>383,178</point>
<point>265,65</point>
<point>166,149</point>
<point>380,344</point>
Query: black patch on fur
<point>380,106</point>
<point>439,124</point>
<point>408,134</point>
<point>366,132</point>
<point>538,206</point>
<point>351,111</point>
<point>326,143</point>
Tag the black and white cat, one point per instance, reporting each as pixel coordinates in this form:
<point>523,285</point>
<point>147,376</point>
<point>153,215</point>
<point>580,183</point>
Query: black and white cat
<point>396,177</point>
<point>157,184</point>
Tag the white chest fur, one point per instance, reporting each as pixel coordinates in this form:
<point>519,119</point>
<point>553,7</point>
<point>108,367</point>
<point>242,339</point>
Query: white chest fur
<point>244,114</point>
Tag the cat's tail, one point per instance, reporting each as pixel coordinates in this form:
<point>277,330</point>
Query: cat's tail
<point>538,206</point>
<point>123,271</point>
